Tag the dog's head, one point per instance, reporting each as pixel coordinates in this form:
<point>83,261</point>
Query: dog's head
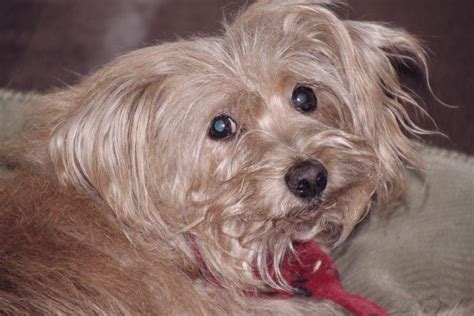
<point>287,127</point>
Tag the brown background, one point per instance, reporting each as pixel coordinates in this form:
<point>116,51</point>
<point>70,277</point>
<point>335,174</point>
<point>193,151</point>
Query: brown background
<point>50,43</point>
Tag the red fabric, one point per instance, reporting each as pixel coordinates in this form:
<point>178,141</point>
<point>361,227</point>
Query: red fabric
<point>313,273</point>
<point>323,282</point>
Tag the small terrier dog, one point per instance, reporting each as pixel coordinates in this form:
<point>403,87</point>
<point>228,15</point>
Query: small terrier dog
<point>288,127</point>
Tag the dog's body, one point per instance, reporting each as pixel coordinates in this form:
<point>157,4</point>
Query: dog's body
<point>74,259</point>
<point>288,127</point>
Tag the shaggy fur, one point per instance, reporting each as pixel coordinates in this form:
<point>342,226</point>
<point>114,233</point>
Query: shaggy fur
<point>118,173</point>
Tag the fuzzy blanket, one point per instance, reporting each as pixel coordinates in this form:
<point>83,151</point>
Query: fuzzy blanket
<point>419,255</point>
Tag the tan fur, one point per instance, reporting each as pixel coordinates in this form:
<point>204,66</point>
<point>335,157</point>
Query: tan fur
<point>117,173</point>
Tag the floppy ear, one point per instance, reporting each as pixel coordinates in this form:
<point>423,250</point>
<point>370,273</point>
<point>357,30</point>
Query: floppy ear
<point>383,102</point>
<point>103,143</point>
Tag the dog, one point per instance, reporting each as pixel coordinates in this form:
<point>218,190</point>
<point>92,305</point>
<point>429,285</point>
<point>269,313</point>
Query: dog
<point>206,159</point>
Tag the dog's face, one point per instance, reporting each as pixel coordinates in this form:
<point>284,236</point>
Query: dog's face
<point>285,128</point>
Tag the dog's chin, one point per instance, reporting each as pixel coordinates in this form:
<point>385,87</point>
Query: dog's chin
<point>326,233</point>
<point>305,222</point>
<point>331,235</point>
<point>321,222</point>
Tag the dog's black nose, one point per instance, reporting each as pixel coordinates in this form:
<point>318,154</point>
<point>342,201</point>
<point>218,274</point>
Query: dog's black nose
<point>307,179</point>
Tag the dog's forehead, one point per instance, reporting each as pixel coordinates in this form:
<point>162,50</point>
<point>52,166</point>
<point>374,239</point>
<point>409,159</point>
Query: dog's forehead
<point>261,57</point>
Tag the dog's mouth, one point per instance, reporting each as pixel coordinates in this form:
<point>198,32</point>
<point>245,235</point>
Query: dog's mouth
<point>314,221</point>
<point>311,207</point>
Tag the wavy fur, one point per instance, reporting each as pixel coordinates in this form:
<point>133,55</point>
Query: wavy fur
<point>118,171</point>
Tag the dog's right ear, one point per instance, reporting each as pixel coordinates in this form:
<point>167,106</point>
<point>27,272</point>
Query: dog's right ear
<point>380,51</point>
<point>105,135</point>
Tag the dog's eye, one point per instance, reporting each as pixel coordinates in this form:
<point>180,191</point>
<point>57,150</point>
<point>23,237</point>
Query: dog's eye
<point>222,126</point>
<point>304,99</point>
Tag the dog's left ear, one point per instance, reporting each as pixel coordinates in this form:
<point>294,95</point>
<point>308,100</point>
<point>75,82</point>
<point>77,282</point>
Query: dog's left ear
<point>378,52</point>
<point>104,141</point>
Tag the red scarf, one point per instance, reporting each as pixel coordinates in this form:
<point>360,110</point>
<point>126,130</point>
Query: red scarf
<point>313,273</point>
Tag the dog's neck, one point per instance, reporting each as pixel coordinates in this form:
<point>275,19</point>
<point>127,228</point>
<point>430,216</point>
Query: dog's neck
<point>311,273</point>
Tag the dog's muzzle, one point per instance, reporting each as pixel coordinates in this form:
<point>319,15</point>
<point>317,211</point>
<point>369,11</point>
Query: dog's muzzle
<point>307,179</point>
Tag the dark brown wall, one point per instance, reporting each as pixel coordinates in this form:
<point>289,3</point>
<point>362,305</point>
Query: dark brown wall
<point>446,28</point>
<point>47,43</point>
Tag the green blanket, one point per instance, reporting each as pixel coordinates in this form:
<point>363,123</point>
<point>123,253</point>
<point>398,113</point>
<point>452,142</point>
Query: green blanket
<point>422,256</point>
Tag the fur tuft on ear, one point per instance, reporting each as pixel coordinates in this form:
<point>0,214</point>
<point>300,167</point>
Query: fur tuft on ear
<point>103,142</point>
